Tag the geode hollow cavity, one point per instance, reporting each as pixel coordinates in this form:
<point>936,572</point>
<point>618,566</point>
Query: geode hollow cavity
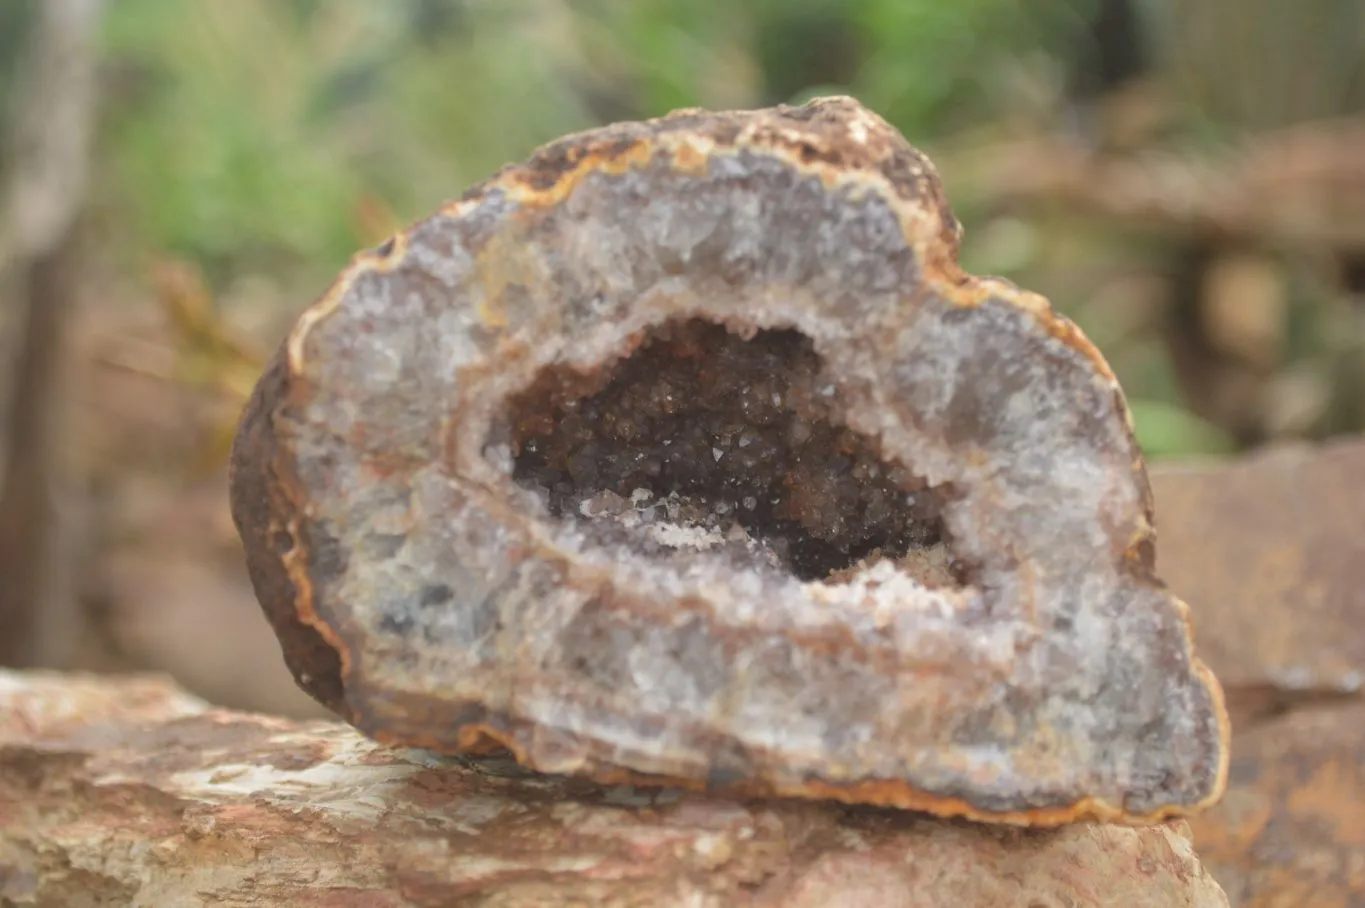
<point>684,453</point>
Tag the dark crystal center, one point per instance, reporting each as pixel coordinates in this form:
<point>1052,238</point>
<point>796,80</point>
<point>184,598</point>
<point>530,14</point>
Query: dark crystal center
<point>702,438</point>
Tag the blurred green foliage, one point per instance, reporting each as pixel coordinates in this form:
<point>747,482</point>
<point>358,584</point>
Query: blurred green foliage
<point>265,141</point>
<point>16,18</point>
<point>248,135</point>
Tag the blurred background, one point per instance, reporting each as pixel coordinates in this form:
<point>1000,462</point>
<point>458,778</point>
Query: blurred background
<point>1186,180</point>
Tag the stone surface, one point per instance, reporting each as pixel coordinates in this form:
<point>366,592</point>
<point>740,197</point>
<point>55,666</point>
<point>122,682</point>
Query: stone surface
<point>431,482</point>
<point>126,792</point>
<point>1271,552</point>
<point>1291,828</point>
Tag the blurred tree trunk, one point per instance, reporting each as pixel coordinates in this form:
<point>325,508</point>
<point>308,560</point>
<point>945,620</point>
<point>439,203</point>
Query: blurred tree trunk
<point>41,200</point>
<point>1254,65</point>
<point>1277,89</point>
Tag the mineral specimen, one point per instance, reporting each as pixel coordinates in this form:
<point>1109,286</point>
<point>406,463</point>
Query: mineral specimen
<point>685,454</point>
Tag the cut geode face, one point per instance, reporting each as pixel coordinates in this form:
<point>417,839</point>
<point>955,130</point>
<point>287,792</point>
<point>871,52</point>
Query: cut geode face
<point>685,454</point>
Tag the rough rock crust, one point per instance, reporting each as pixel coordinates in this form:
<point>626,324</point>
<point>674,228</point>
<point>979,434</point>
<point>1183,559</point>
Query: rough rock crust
<point>128,792</point>
<point>437,579</point>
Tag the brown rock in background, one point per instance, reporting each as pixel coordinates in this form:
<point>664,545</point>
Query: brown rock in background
<point>1291,828</point>
<point>132,793</point>
<point>1270,554</point>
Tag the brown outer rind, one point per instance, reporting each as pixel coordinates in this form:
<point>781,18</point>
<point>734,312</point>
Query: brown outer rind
<point>266,510</point>
<point>268,502</point>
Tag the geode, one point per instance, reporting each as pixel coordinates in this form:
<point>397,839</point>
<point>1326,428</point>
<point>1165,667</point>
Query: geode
<point>685,454</point>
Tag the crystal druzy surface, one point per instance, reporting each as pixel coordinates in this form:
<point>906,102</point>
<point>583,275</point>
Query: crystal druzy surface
<point>684,453</point>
